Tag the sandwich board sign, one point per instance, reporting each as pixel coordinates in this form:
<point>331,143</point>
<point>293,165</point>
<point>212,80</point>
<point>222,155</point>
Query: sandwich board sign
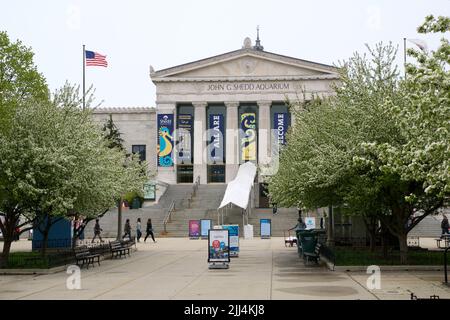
<point>194,229</point>
<point>218,248</point>
<point>265,228</point>
<point>234,239</point>
<point>205,225</point>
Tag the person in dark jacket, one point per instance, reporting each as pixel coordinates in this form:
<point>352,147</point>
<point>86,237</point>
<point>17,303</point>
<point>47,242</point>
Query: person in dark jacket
<point>127,229</point>
<point>97,230</point>
<point>138,230</point>
<point>149,230</point>
<point>445,225</point>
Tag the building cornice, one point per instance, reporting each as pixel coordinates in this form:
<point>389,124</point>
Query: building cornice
<point>243,79</point>
<point>129,110</point>
<point>154,75</point>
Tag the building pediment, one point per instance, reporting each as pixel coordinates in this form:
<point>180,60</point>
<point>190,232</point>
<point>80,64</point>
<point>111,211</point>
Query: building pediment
<point>246,64</point>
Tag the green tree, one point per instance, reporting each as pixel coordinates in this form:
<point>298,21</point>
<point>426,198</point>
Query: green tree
<point>112,134</point>
<point>330,159</point>
<point>57,164</point>
<point>19,79</point>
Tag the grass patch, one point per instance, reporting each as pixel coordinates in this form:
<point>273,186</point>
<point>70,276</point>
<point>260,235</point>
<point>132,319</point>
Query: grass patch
<point>347,256</point>
<point>35,260</point>
<point>27,260</point>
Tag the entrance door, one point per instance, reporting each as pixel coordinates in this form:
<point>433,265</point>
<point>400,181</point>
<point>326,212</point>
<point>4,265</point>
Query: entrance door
<point>263,198</point>
<point>216,173</point>
<point>185,174</point>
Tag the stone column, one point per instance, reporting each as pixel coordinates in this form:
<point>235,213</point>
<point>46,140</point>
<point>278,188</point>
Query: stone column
<point>264,140</point>
<point>166,174</point>
<point>264,132</point>
<point>200,168</point>
<point>231,137</point>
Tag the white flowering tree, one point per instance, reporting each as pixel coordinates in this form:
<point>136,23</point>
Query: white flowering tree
<point>423,116</point>
<point>56,163</point>
<point>343,149</point>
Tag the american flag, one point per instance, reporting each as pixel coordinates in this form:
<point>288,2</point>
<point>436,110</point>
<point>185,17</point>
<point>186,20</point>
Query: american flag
<point>95,59</point>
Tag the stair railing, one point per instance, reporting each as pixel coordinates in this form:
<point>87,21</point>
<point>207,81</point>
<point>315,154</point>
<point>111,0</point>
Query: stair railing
<point>168,217</point>
<point>194,191</point>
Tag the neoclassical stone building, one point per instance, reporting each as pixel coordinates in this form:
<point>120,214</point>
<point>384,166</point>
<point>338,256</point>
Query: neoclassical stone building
<point>213,114</point>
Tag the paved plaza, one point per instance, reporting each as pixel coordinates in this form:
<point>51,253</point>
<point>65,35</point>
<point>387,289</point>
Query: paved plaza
<point>176,268</point>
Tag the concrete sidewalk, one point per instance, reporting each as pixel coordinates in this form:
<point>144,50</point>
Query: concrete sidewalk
<point>176,268</point>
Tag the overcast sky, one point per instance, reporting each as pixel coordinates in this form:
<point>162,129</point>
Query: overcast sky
<point>136,34</point>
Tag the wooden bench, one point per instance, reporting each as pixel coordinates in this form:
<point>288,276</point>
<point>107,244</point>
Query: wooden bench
<point>83,255</point>
<point>313,255</point>
<point>118,250</point>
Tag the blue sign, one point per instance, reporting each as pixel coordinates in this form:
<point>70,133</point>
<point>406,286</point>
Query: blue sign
<point>281,123</point>
<point>184,143</point>
<point>205,225</point>
<point>266,228</point>
<point>234,239</point>
<point>165,140</point>
<point>216,138</point>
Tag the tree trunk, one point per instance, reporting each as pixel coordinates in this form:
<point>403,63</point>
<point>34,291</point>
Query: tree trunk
<point>402,240</point>
<point>6,249</point>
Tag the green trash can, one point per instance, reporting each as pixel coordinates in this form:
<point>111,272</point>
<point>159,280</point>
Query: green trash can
<point>307,240</point>
<point>136,204</point>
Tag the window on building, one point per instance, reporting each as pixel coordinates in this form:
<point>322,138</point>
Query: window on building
<point>139,149</point>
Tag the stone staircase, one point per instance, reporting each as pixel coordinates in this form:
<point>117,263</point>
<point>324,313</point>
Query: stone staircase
<point>203,206</point>
<point>157,212</point>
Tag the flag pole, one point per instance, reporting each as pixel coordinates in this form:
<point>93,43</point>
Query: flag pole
<point>404,55</point>
<point>84,86</point>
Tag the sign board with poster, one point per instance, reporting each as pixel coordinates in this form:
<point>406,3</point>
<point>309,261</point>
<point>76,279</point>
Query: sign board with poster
<point>218,249</point>
<point>310,223</point>
<point>205,225</point>
<point>194,229</point>
<point>234,239</point>
<point>266,228</point>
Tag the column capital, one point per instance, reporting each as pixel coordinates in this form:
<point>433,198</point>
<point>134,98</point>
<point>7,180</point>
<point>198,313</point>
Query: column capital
<point>264,103</point>
<point>199,104</point>
<point>231,104</point>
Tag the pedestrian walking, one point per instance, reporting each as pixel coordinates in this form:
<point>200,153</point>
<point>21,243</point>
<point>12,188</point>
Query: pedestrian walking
<point>127,229</point>
<point>138,230</point>
<point>274,208</point>
<point>445,225</point>
<point>97,230</point>
<point>149,230</point>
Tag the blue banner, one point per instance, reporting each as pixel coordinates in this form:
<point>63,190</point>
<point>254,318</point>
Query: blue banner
<point>281,123</point>
<point>184,144</point>
<point>216,139</point>
<point>165,140</point>
<point>248,138</point>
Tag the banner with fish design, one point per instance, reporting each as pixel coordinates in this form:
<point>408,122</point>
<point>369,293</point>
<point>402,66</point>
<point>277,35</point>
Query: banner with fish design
<point>165,140</point>
<point>248,136</point>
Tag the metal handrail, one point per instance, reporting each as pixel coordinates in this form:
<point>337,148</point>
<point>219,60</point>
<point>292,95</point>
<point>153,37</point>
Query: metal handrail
<point>194,191</point>
<point>189,197</point>
<point>168,217</point>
